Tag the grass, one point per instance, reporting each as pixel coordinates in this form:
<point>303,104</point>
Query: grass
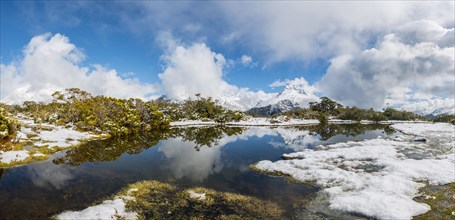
<point>441,200</point>
<point>156,200</point>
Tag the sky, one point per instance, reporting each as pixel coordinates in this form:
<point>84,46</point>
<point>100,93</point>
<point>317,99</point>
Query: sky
<point>360,53</point>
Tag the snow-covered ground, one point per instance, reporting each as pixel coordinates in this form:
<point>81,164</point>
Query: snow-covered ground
<point>280,121</point>
<point>251,122</point>
<point>109,209</point>
<point>43,135</point>
<point>380,177</point>
<point>50,135</point>
<point>12,156</point>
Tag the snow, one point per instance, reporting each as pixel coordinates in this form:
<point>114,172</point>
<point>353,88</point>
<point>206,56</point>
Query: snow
<point>435,130</point>
<point>250,122</point>
<point>375,177</point>
<point>273,122</point>
<point>51,135</point>
<point>12,156</point>
<point>197,196</point>
<point>192,122</point>
<point>297,91</point>
<point>109,209</point>
<point>283,121</point>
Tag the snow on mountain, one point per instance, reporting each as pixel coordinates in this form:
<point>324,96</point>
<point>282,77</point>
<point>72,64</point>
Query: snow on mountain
<point>297,91</point>
<point>432,107</point>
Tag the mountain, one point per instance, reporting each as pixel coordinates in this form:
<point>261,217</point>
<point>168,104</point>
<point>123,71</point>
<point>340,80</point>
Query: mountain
<point>432,108</point>
<point>280,106</point>
<point>296,94</point>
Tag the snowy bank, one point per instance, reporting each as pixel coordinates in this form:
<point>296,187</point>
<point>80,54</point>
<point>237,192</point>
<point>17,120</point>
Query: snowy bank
<point>281,121</point>
<point>13,156</point>
<point>378,178</point>
<point>109,209</point>
<point>41,140</point>
<point>250,122</point>
<point>51,135</point>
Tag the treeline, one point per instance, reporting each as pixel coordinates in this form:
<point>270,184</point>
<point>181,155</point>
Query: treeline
<point>327,108</point>
<point>118,117</point>
<point>445,118</point>
<point>205,109</point>
<point>96,113</point>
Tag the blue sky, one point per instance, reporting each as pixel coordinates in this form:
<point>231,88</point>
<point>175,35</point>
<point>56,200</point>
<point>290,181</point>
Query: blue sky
<point>332,45</point>
<point>105,41</point>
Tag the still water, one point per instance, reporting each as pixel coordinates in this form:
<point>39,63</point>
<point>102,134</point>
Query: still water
<point>214,157</point>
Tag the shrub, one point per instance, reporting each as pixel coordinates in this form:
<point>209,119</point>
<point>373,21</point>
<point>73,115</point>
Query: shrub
<point>8,126</point>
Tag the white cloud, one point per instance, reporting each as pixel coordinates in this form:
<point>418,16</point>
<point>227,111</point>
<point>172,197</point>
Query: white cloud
<point>50,63</point>
<point>279,83</point>
<point>246,60</point>
<point>401,66</point>
<point>196,69</point>
<point>433,106</point>
<point>308,30</point>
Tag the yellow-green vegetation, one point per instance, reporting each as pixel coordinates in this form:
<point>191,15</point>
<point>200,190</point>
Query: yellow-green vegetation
<point>445,118</point>
<point>327,107</point>
<point>441,200</point>
<point>8,127</point>
<point>100,114</point>
<point>200,108</point>
<point>156,200</point>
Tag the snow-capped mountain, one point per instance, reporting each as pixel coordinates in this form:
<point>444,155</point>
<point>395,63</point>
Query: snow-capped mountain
<point>297,93</point>
<point>432,107</point>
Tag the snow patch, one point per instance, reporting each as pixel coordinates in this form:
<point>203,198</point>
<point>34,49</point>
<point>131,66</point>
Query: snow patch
<point>50,135</point>
<point>13,156</point>
<point>374,177</point>
<point>197,196</point>
<point>109,209</point>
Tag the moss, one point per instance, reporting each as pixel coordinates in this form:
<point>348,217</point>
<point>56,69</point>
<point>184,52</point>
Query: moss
<point>156,200</point>
<point>441,200</point>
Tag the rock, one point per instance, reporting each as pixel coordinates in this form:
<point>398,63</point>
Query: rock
<point>420,139</point>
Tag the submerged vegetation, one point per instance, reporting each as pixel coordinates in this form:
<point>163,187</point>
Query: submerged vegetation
<point>157,200</point>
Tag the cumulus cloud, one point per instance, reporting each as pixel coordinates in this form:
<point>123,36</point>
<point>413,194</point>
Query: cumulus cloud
<point>194,69</point>
<point>411,64</point>
<point>50,63</point>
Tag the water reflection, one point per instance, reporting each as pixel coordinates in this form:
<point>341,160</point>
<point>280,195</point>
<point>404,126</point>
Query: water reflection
<point>213,157</point>
<point>328,131</point>
<point>2,171</point>
<point>183,144</point>
<point>185,162</point>
<point>110,149</point>
<point>206,136</point>
<point>43,175</point>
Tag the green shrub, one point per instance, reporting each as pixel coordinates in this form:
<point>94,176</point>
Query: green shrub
<point>8,126</point>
